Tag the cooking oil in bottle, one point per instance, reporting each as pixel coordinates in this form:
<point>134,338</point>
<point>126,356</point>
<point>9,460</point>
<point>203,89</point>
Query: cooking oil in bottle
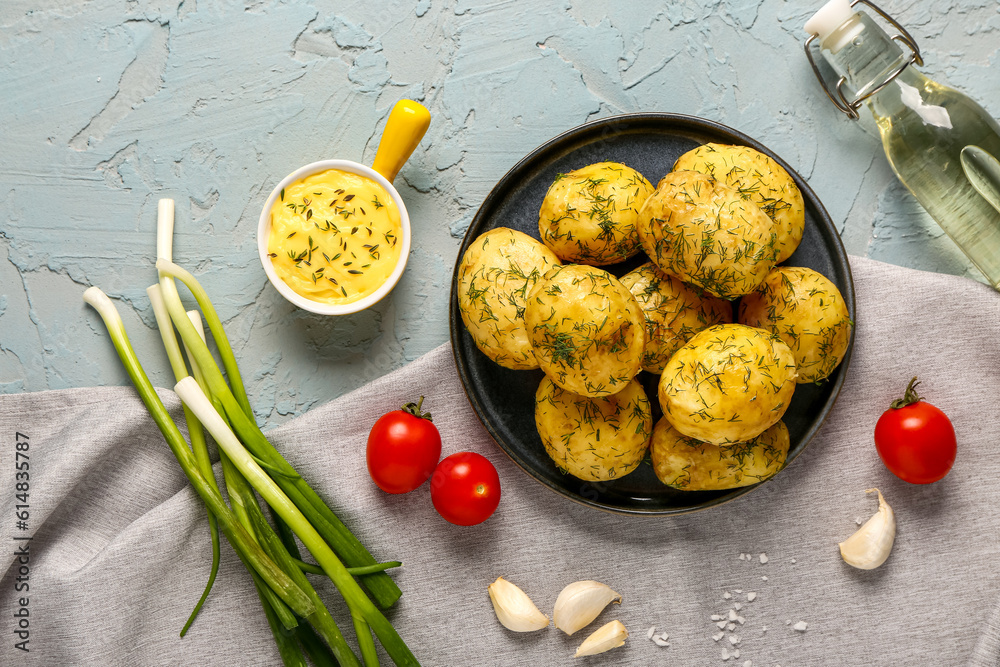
<point>941,144</point>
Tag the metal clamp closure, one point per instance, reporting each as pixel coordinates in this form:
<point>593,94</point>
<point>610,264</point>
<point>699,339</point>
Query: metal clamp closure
<point>850,107</point>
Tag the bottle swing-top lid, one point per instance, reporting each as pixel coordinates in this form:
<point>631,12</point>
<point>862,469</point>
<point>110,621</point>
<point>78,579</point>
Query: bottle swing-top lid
<point>838,19</point>
<point>831,16</point>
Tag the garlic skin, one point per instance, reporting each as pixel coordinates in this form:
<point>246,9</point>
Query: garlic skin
<point>580,603</point>
<point>603,639</point>
<point>514,608</point>
<point>869,547</point>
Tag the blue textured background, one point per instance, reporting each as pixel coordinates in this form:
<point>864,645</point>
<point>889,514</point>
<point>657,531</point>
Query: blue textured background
<point>105,107</point>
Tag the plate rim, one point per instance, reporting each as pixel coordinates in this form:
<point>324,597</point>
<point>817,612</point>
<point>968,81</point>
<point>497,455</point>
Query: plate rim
<point>839,258</point>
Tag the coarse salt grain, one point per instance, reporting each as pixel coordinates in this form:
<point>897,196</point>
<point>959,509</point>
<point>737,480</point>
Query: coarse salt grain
<point>737,606</point>
<point>718,635</point>
<point>764,629</point>
<point>741,620</point>
<point>738,590</point>
<point>763,558</point>
<point>764,578</point>
<point>751,597</point>
<point>649,633</point>
<point>725,654</point>
<point>736,653</point>
<point>734,640</point>
<point>732,614</point>
<point>721,625</point>
<point>727,595</point>
<point>731,627</point>
<point>660,641</point>
<point>748,663</point>
<point>793,561</point>
<point>715,617</point>
<point>800,626</point>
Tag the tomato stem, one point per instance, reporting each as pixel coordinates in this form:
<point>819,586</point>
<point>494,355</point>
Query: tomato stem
<point>909,397</point>
<point>414,409</point>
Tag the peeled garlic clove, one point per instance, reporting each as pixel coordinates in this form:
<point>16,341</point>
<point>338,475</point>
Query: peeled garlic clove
<point>580,603</point>
<point>514,608</point>
<point>869,547</point>
<point>603,639</point>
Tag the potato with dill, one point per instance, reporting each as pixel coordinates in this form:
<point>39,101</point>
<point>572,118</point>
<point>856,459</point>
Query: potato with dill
<point>728,384</point>
<point>758,178</point>
<point>673,311</point>
<point>700,230</point>
<point>691,465</point>
<point>494,278</point>
<point>589,215</point>
<point>594,439</point>
<point>807,311</point>
<point>586,330</point>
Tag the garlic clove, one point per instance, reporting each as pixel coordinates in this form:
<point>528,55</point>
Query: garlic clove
<point>603,639</point>
<point>580,603</point>
<point>869,547</point>
<point>514,608</point>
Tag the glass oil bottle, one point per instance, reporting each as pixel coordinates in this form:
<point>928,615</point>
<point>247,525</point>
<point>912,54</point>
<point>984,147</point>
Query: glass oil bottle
<point>941,144</point>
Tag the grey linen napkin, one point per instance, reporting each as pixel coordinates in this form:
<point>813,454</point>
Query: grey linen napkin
<point>120,550</point>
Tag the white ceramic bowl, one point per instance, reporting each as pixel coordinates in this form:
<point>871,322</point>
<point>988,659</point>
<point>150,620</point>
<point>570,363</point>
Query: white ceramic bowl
<point>264,231</point>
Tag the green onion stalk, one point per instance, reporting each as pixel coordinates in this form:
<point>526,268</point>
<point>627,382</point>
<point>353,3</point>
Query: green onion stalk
<point>272,575</point>
<point>248,510</point>
<point>279,617</point>
<point>267,573</point>
<point>250,463</point>
<point>363,611</point>
<point>198,444</point>
<point>283,623</point>
<point>383,589</point>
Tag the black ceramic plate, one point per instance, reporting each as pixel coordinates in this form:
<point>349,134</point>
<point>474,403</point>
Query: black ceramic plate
<point>504,399</point>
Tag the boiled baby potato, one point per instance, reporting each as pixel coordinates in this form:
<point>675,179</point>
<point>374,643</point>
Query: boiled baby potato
<point>494,278</point>
<point>674,312</point>
<point>586,330</point>
<point>758,178</point>
<point>589,215</point>
<point>691,465</point>
<point>808,312</point>
<point>728,384</point>
<point>595,439</point>
<point>700,230</point>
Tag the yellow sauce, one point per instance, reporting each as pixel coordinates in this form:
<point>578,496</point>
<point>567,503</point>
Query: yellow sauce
<point>335,236</point>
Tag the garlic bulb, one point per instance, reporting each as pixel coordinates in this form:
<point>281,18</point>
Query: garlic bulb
<point>514,608</point>
<point>580,603</point>
<point>603,639</point>
<point>869,547</point>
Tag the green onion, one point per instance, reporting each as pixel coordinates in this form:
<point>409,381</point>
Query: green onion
<point>279,617</point>
<point>309,568</point>
<point>251,465</point>
<point>363,611</point>
<point>382,587</point>
<point>242,542</point>
<point>195,432</point>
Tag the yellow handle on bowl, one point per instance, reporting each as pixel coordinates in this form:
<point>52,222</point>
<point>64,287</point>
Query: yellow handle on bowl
<point>405,128</point>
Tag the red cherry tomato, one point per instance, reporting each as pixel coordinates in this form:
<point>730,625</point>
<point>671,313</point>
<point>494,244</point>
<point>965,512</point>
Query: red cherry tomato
<point>403,448</point>
<point>915,440</point>
<point>465,488</point>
